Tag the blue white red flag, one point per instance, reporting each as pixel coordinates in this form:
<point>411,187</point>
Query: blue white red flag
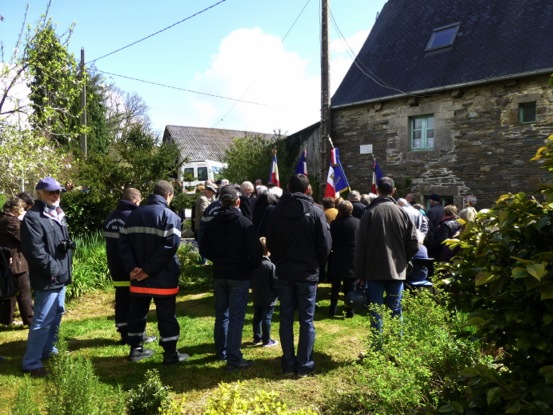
<point>377,175</point>
<point>273,174</point>
<point>301,168</point>
<point>336,181</point>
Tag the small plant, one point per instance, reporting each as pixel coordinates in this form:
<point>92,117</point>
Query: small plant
<point>90,269</point>
<point>24,403</point>
<point>232,400</point>
<point>193,275</point>
<point>74,389</point>
<point>149,397</point>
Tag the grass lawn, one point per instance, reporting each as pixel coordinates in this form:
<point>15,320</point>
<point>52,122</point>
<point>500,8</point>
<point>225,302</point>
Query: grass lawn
<point>89,330</point>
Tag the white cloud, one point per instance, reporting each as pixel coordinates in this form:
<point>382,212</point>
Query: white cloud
<point>253,66</point>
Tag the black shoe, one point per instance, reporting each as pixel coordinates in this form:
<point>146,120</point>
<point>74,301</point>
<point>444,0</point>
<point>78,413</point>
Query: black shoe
<point>148,339</point>
<point>39,372</point>
<point>139,353</point>
<point>350,313</point>
<point>244,364</point>
<point>172,358</point>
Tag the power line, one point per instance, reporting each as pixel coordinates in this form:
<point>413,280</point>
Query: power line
<point>185,90</point>
<point>363,68</point>
<point>158,32</point>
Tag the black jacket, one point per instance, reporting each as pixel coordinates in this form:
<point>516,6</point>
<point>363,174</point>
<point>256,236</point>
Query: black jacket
<point>231,243</point>
<point>41,235</point>
<point>113,225</point>
<point>344,235</point>
<point>298,238</point>
<point>150,240</point>
<point>264,284</point>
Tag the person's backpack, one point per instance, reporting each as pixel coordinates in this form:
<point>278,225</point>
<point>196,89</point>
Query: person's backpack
<point>8,282</point>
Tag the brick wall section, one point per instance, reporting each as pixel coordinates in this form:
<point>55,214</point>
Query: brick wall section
<point>480,146</point>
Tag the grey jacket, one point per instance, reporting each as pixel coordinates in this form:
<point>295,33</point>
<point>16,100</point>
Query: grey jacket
<point>386,242</point>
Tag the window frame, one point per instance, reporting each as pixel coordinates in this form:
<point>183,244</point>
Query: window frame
<point>439,30</point>
<point>424,132</point>
<point>522,111</point>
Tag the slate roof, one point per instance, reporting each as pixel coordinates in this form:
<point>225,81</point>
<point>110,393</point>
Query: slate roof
<point>197,143</point>
<point>497,39</point>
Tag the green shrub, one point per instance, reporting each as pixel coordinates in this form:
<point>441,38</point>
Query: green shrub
<point>233,400</point>
<point>85,214</point>
<point>90,268</point>
<point>24,403</point>
<point>148,397</point>
<point>193,275</point>
<point>502,278</point>
<point>409,369</point>
<point>74,389</point>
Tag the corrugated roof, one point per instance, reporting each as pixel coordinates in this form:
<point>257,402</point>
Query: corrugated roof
<point>497,39</point>
<point>197,143</point>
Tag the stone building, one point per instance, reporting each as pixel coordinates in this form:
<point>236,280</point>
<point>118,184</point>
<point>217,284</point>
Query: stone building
<point>452,96</point>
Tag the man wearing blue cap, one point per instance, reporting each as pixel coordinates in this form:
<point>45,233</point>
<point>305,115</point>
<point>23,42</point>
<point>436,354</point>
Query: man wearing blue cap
<point>46,245</point>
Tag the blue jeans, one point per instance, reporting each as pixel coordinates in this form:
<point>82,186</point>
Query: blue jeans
<point>231,300</point>
<point>394,292</point>
<point>262,318</point>
<point>301,296</point>
<point>43,333</point>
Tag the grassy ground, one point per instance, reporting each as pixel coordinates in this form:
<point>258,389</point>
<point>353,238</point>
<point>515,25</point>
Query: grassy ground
<point>89,330</point>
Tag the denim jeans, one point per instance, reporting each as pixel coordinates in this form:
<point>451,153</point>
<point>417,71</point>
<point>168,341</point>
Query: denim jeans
<point>43,333</point>
<point>301,296</point>
<point>262,318</point>
<point>231,300</point>
<point>394,292</point>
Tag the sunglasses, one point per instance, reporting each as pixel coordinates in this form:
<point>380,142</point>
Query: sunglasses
<point>53,192</point>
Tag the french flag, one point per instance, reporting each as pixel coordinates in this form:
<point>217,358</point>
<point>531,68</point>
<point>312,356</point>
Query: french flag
<point>273,175</point>
<point>377,175</point>
<point>301,168</point>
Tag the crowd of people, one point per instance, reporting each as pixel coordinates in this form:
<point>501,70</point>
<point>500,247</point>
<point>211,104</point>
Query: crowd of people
<point>278,244</point>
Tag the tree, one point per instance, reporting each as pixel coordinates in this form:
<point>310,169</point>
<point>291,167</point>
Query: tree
<point>55,85</point>
<point>135,160</point>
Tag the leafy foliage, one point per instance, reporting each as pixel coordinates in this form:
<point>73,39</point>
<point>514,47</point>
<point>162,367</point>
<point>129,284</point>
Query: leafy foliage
<point>503,278</point>
<point>54,83</point>
<point>90,270</point>
<point>233,400</point>
<point>410,367</point>
<point>148,397</point>
<point>74,389</point>
<point>248,159</point>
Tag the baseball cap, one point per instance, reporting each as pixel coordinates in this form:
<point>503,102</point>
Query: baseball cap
<point>229,195</point>
<point>48,183</point>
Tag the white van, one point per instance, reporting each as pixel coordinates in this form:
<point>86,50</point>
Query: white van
<point>196,172</point>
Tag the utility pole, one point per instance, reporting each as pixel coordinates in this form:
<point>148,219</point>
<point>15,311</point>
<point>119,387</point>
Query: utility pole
<point>84,144</point>
<point>325,93</point>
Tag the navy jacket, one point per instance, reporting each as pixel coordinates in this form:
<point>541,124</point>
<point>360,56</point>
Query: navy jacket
<point>150,240</point>
<point>298,238</point>
<point>231,243</point>
<point>113,225</point>
<point>264,284</point>
<point>49,264</point>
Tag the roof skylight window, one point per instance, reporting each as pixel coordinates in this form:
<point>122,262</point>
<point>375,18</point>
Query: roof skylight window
<point>443,37</point>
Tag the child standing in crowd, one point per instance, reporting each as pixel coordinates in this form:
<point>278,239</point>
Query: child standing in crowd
<point>264,289</point>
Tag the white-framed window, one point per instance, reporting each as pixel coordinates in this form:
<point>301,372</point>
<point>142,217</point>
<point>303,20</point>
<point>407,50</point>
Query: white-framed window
<point>527,112</point>
<point>442,37</point>
<point>421,131</point>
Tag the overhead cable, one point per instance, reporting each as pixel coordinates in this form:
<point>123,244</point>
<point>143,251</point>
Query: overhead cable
<point>186,90</point>
<point>158,32</point>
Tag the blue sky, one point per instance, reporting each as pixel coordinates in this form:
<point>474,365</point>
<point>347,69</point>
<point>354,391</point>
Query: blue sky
<point>263,55</point>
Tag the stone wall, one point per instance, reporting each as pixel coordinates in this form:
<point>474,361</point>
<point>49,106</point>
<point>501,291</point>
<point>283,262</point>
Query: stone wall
<point>480,146</point>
